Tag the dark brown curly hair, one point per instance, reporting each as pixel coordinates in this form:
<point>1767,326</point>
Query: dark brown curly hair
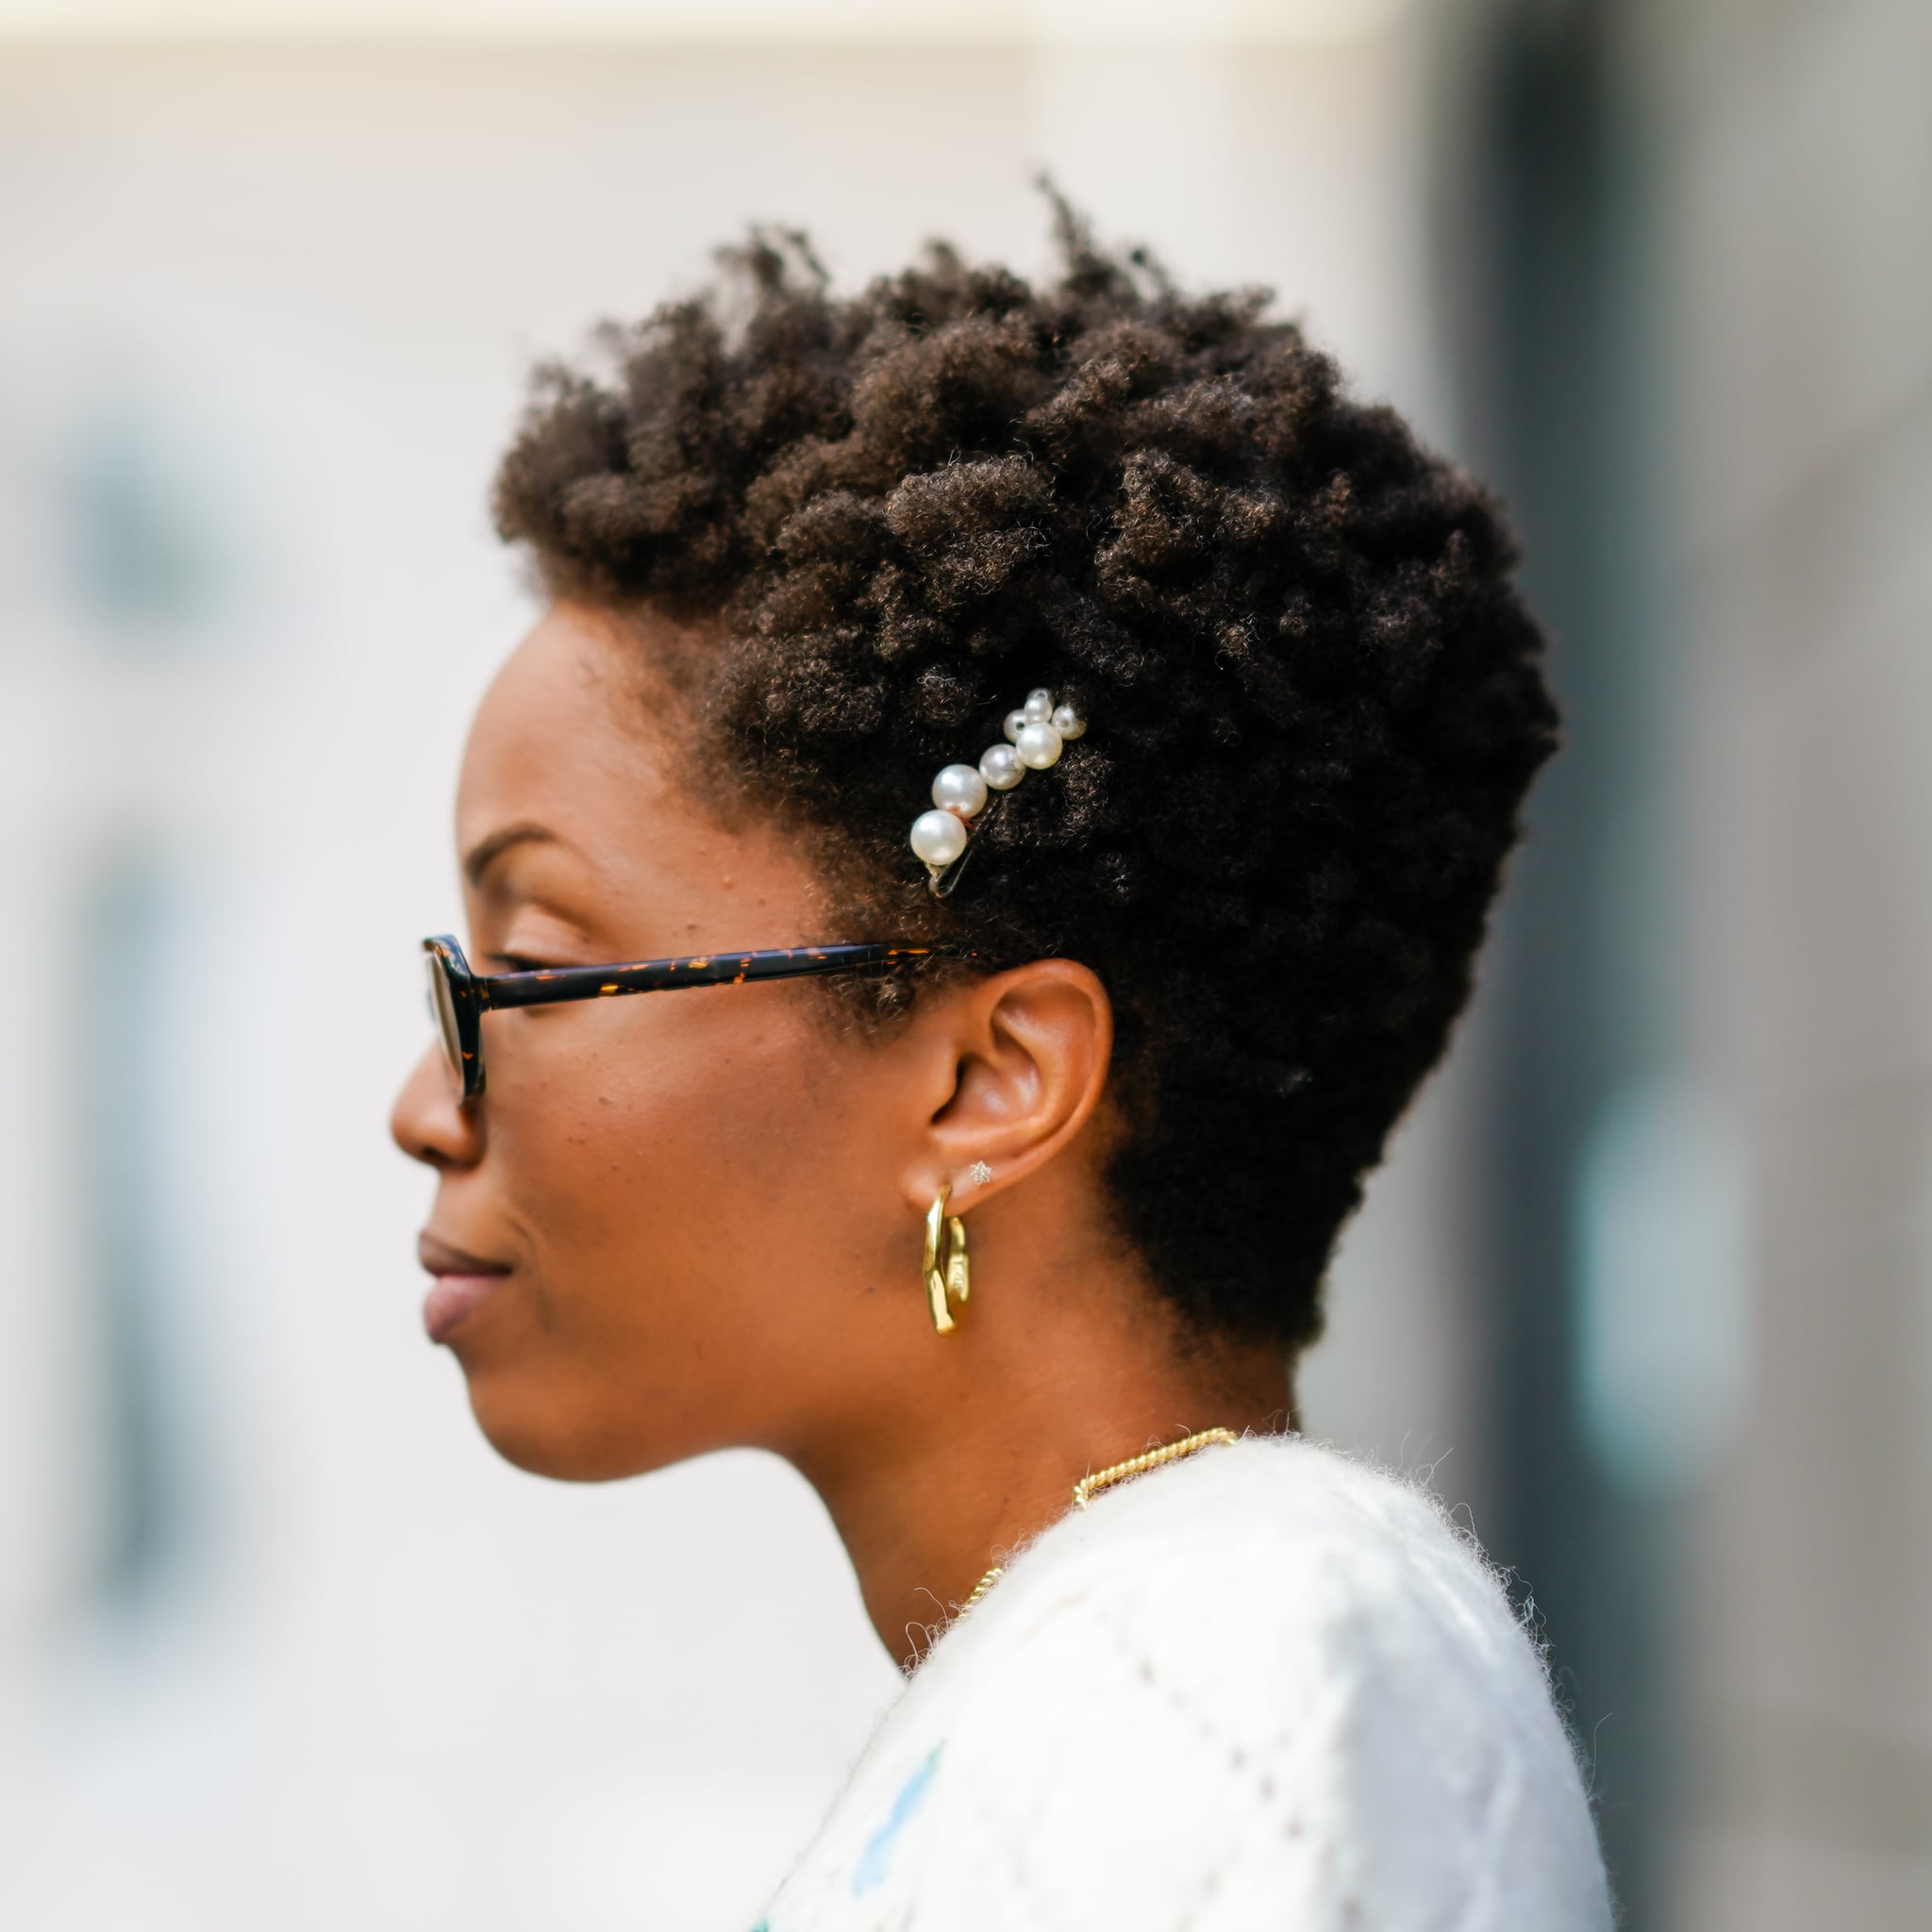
<point>1316,699</point>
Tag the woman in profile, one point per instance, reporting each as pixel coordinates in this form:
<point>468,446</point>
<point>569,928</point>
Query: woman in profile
<point>1061,750</point>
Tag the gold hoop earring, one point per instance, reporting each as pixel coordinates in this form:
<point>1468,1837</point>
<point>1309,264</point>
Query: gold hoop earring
<point>948,1277</point>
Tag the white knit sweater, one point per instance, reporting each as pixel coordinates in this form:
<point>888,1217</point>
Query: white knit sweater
<point>1265,1686</point>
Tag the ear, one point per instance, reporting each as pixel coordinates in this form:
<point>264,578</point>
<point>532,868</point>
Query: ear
<point>1013,1069</point>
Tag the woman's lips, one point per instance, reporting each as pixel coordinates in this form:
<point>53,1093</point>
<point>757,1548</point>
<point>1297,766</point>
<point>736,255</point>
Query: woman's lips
<point>464,1283</point>
<point>452,1299</point>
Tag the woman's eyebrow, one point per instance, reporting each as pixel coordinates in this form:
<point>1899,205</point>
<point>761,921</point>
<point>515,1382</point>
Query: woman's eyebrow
<point>485,851</point>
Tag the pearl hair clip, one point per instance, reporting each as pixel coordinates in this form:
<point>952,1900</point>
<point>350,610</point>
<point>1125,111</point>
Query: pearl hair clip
<point>1036,734</point>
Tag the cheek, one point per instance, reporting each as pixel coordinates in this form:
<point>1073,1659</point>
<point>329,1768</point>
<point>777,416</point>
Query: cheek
<point>687,1183</point>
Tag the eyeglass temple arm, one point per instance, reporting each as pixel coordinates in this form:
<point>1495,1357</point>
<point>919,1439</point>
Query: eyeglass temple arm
<point>704,969</point>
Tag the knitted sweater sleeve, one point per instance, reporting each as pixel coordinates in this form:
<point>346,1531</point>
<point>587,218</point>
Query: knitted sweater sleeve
<point>1353,1733</point>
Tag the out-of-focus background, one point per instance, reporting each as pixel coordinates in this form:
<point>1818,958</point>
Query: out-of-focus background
<point>1648,1281</point>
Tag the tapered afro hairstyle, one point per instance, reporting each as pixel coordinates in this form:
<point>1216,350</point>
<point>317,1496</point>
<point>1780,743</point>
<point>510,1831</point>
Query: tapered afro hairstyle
<point>1315,699</point>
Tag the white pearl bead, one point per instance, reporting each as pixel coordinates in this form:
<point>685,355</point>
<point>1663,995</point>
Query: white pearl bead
<point>960,789</point>
<point>1001,767</point>
<point>937,836</point>
<point>1068,721</point>
<point>1038,706</point>
<point>1016,723</point>
<point>1039,746</point>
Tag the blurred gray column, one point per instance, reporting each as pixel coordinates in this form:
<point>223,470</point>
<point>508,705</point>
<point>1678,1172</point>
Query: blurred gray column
<point>1689,245</point>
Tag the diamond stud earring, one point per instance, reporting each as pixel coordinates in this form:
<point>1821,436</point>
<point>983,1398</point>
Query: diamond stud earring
<point>979,1174</point>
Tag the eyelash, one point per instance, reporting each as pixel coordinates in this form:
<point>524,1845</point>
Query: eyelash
<point>517,962</point>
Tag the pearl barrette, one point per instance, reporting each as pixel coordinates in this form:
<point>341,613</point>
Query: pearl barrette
<point>1036,735</point>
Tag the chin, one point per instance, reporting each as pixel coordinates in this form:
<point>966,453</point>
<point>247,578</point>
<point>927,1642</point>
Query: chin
<point>551,1432</point>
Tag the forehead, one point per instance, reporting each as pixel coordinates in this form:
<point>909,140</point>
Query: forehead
<point>576,739</point>
<point>564,737</point>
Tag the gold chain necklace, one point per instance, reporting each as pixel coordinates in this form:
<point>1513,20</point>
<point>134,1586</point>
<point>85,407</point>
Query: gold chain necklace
<point>1090,1486</point>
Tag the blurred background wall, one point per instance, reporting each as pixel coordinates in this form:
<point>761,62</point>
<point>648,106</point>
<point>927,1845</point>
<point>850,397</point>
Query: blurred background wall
<point>1648,1281</point>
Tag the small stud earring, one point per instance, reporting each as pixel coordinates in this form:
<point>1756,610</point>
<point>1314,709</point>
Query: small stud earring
<point>979,1174</point>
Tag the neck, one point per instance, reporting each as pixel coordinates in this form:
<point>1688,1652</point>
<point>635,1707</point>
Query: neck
<point>1012,1410</point>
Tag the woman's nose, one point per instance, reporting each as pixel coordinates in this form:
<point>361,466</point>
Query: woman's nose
<point>429,1122</point>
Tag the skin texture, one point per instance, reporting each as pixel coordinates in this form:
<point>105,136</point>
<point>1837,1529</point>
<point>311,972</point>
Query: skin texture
<point>708,1206</point>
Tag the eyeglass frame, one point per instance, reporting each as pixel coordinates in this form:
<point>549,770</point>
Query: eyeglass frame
<point>471,994</point>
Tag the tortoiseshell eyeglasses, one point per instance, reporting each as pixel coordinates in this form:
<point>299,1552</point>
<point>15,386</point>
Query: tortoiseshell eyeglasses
<point>459,998</point>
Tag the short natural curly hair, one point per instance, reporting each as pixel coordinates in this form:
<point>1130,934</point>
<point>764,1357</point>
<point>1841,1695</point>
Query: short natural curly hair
<point>1316,699</point>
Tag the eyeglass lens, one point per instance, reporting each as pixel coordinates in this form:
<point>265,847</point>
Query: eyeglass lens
<point>444,1012</point>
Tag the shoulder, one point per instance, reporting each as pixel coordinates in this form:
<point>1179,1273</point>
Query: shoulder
<point>1270,1665</point>
<point>1285,1543</point>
